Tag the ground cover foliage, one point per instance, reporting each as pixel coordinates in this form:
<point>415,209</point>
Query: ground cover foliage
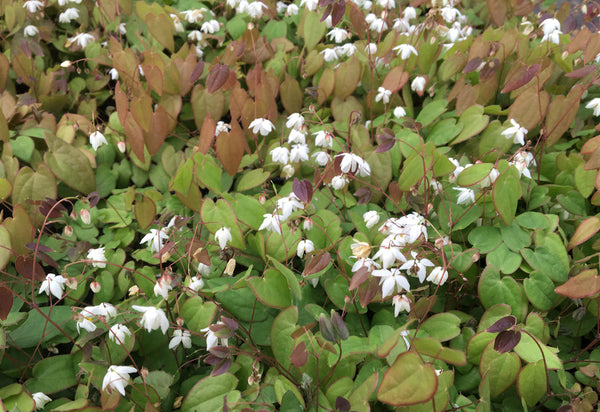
<point>319,205</point>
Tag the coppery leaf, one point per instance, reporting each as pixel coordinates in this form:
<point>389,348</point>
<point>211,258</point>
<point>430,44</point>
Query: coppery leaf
<point>338,11</point>
<point>514,84</point>
<point>303,190</point>
<point>299,355</point>
<point>386,139</point>
<point>93,199</point>
<point>221,367</point>
<point>359,277</point>
<point>316,263</point>
<point>583,285</point>
<point>231,323</point>
<point>197,72</point>
<point>582,72</point>
<point>51,208</point>
<point>364,195</point>
<point>6,301</point>
<point>39,247</point>
<point>503,324</point>
<point>472,65</point>
<point>342,404</point>
<point>217,77</point>
<point>221,352</point>
<point>29,269</point>
<point>507,340</point>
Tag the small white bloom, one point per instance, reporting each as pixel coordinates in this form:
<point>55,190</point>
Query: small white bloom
<point>33,6</point>
<point>97,257</point>
<point>390,4</point>
<point>375,24</point>
<point>329,55</point>
<point>54,285</point>
<point>81,39</point>
<point>212,340</point>
<point>369,263</point>
<point>177,23</point>
<point>436,186</point>
<point>383,95</point>
<point>97,139</point>
<point>180,336</point>
<point>354,164</point>
<point>338,35</point>
<point>196,282</point>
<point>405,50</point>
<point>391,280</point>
<point>255,9</point>
<point>118,333</point>
<point>516,132</point>
<point>347,49</point>
<point>304,246</point>
<point>549,26</point>
<point>122,29</point>
<point>262,126</point>
<point>418,84</point>
<point>416,266</point>
<point>114,74</point>
<point>210,27</point>
<point>409,13</point>
<point>288,171</point>
<point>339,182</point>
<point>193,16</point>
<point>162,287</point>
<point>40,400</point>
<point>401,304</point>
<point>154,239</point>
<point>438,276</point>
<point>466,196</point>
<point>299,153</point>
<point>553,37</point>
<point>449,14</point>
<point>310,5</point>
<point>288,205</point>
<point>68,15</point>
<point>323,139</point>
<point>371,48</point>
<point>223,236</point>
<point>153,318</point>
<point>296,136</point>
<point>271,223</point>
<point>195,36</point>
<point>489,179</point>
<point>31,31</point>
<point>389,252</point>
<point>294,121</point>
<point>292,10</point>
<point>117,377</point>
<point>522,161</point>
<point>222,127</point>
<point>371,218</point>
<point>85,321</point>
<point>594,104</point>
<point>399,112</point>
<point>322,158</point>
<point>280,155</point>
<point>104,309</point>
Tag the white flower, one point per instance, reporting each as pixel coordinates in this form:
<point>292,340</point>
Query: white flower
<point>118,333</point>
<point>193,16</point>
<point>296,136</point>
<point>304,246</point>
<point>383,95</point>
<point>241,6</point>
<point>401,303</point>
<point>399,112</point>
<point>371,48</point>
<point>371,218</point>
<point>82,40</point>
<point>182,337</point>
<point>310,5</point>
<point>549,26</point>
<point>329,54</point>
<point>177,23</point>
<point>85,321</point>
<point>411,227</point>
<point>195,36</point>
<point>271,223</point>
<point>438,276</point>
<point>516,132</point>
<point>114,74</point>
<point>294,121</point>
<point>54,285</point>
<point>553,37</point>
<point>490,178</point>
<point>323,139</point>
<point>223,236</point>
<point>389,252</point>
<point>33,6</point>
<point>409,13</point>
<point>122,29</point>
<point>153,318</point>
<point>31,31</point>
<point>417,266</point>
<point>347,49</point>
<point>288,171</point>
<point>375,23</point>
<point>449,14</point>
<point>391,280</point>
<point>262,126</point>
<point>255,9</point>
<point>281,7</point>
<point>196,282</point>
<point>405,50</point>
<point>339,182</point>
<point>154,239</point>
<point>292,10</point>
<point>280,155</point>
<point>354,164</point>
<point>521,161</point>
<point>390,4</point>
<point>104,309</point>
<point>97,257</point>
<point>299,153</point>
<point>40,400</point>
<point>338,35</point>
<point>117,377</point>
<point>211,339</point>
<point>288,205</point>
<point>68,15</point>
<point>162,287</point>
<point>436,186</point>
<point>97,139</point>
<point>322,158</point>
<point>369,263</point>
<point>418,84</point>
<point>210,27</point>
<point>222,127</point>
<point>466,196</point>
<point>594,104</point>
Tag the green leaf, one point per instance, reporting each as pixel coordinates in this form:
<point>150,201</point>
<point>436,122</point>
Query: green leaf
<point>281,331</point>
<point>252,179</point>
<point>221,214</point>
<point>70,165</point>
<point>501,368</point>
<point>532,383</point>
<point>485,238</point>
<point>208,172</point>
<point>514,237</point>
<point>528,349</point>
<point>431,112</point>
<point>442,326</point>
<point>539,289</point>
<point>30,185</point>
<point>547,262</point>
<point>444,131</point>
<point>474,174</point>
<point>52,374</point>
<point>409,381</point>
<point>493,290</point>
<point>290,277</point>
<point>474,120</point>
<point>313,29</point>
<point>36,327</point>
<point>198,314</point>
<point>584,180</point>
<point>23,147</point>
<point>533,220</point>
<point>210,392</point>
<point>272,289</point>
<point>504,259</point>
<point>506,193</point>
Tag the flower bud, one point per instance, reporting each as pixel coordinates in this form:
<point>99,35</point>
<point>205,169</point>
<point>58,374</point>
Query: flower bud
<point>71,283</point>
<point>66,63</point>
<point>144,372</point>
<point>74,215</point>
<point>475,256</point>
<point>179,321</point>
<point>95,286</point>
<point>68,230</point>
<point>121,146</point>
<point>85,216</point>
<point>134,290</point>
<point>308,224</point>
<point>230,268</point>
<point>262,198</point>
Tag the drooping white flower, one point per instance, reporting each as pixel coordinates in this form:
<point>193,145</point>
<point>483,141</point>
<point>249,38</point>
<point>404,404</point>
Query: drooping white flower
<point>292,10</point>
<point>177,23</point>
<point>371,218</point>
<point>390,4</point>
<point>322,158</point>
<point>438,276</point>
<point>329,54</point>
<point>418,84</point>
<point>411,227</point>
<point>354,164</point>
<point>33,6</point>
<point>196,282</point>
<point>550,25</point>
<point>515,132</point>
<point>553,37</point>
<point>323,139</point>
<point>405,50</point>
<point>153,318</point>
<point>114,74</point>
<point>369,263</point>
<point>97,257</point>
<point>347,50</point>
<point>416,266</point>
<point>466,196</point>
<point>304,246</point>
<point>180,336</point>
<point>262,126</point>
<point>449,14</point>
<point>294,121</point>
<point>310,5</point>
<point>54,284</point>
<point>375,23</point>
<point>371,48</point>
<point>594,104</point>
<point>383,95</point>
<point>68,15</point>
<point>154,239</point>
<point>389,251</point>
<point>81,39</point>
<point>163,286</point>
<point>409,13</point>
<point>222,127</point>
<point>299,153</point>
<point>255,9</point>
<point>195,36</point>
<point>193,16</point>
<point>522,161</point>
<point>271,223</point>
<point>118,333</point>
<point>117,377</point>
<point>401,303</point>
<point>288,205</point>
<point>288,171</point>
<point>338,35</point>
<point>489,179</point>
<point>280,155</point>
<point>390,281</point>
<point>339,182</point>
<point>104,309</point>
<point>399,112</point>
<point>97,139</point>
<point>296,136</point>
<point>210,27</point>
<point>223,236</point>
<point>212,340</point>
<point>85,321</point>
<point>122,29</point>
<point>31,31</point>
<point>40,400</point>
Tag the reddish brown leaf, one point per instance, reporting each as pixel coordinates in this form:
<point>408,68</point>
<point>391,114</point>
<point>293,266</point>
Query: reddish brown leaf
<point>507,340</point>
<point>135,136</point>
<point>472,64</point>
<point>586,229</point>
<point>207,134</point>
<point>217,77</point>
<point>395,79</point>
<point>145,212</point>
<point>363,194</point>
<point>368,291</point>
<point>342,404</point>
<point>316,263</point>
<point>357,20</point>
<point>230,148</point>
<point>386,139</point>
<point>29,269</point>
<point>503,324</point>
<point>159,129</point>
<point>6,301</point>
<point>303,190</point>
<point>522,79</point>
<point>583,285</point>
<point>299,355</point>
<point>582,72</point>
<point>359,277</point>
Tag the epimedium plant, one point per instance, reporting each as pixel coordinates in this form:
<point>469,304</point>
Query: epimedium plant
<point>326,205</point>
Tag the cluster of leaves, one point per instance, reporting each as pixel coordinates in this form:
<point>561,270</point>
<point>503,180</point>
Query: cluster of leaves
<point>329,205</point>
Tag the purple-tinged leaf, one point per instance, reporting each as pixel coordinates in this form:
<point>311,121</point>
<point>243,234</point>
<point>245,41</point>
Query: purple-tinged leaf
<point>507,340</point>
<point>39,247</point>
<point>514,84</point>
<point>342,404</point>
<point>364,195</point>
<point>339,326</point>
<point>303,190</point>
<point>326,328</point>
<point>299,355</point>
<point>217,77</point>
<point>197,72</point>
<point>472,65</point>
<point>582,72</point>
<point>503,324</point>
